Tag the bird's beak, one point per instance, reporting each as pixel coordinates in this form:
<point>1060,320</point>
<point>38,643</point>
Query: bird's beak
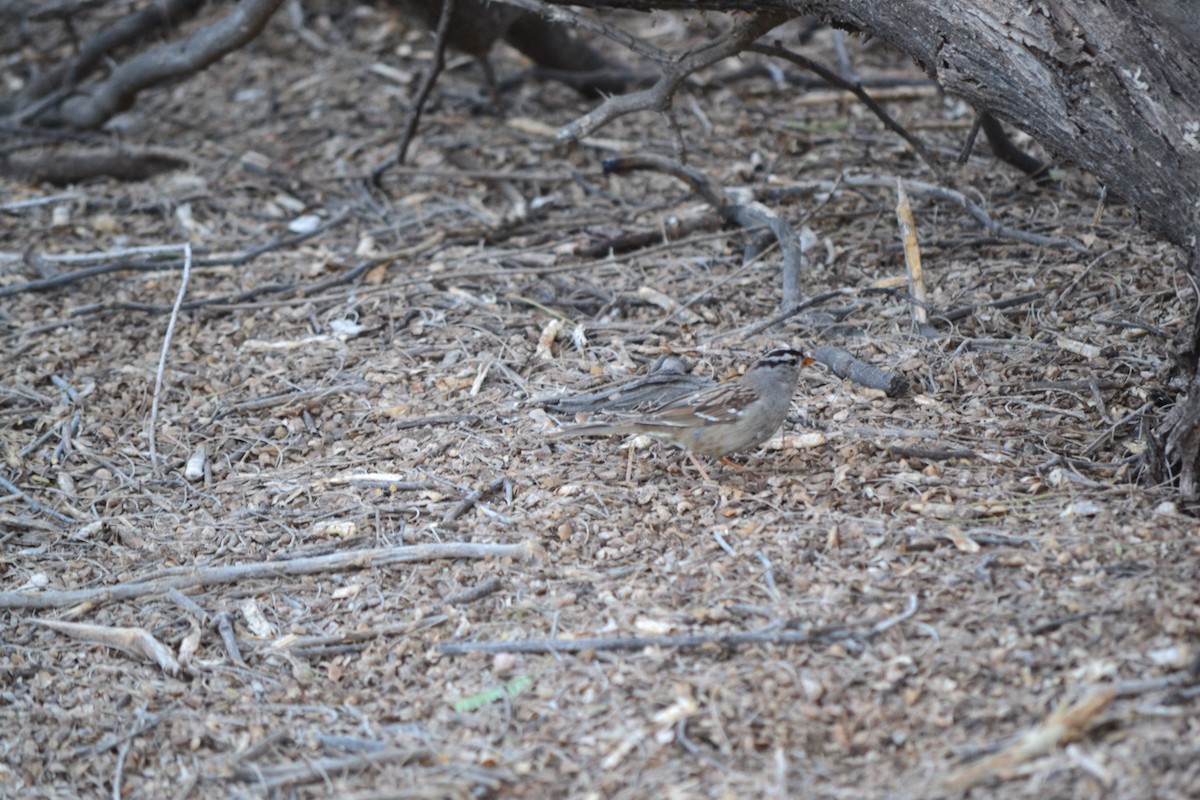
<point>807,361</point>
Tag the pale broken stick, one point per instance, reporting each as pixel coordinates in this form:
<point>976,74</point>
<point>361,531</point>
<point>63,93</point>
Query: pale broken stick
<point>912,258</point>
<point>1068,723</point>
<point>844,634</point>
<point>137,642</point>
<point>200,576</point>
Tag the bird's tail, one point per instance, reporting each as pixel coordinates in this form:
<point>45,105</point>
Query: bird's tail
<point>596,429</point>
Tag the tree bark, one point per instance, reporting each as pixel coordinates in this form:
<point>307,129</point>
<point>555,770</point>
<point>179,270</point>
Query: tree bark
<point>1112,86</point>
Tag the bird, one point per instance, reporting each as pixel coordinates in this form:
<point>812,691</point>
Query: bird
<point>718,420</point>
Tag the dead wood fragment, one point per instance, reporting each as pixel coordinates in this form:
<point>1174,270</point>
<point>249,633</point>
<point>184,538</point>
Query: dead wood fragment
<point>855,86</point>
<point>1004,149</point>
<point>348,641</point>
<point>659,96</point>
<point>137,642</point>
<point>635,241</point>
<point>475,593</point>
<point>843,634</point>
<point>468,502</point>
<point>912,260</point>
<point>322,769</point>
<point>90,107</point>
<point>170,263</point>
<point>930,453</point>
<point>62,169</point>
<point>224,627</point>
<point>151,432</point>
<point>94,53</point>
<point>848,367</point>
<point>743,214</point>
<point>1067,723</point>
<point>34,504</point>
<point>182,578</point>
<point>440,40</point>
<point>436,419</point>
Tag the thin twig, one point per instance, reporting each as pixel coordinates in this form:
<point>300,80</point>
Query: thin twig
<point>855,87</point>
<point>474,593</point>
<point>468,502</point>
<point>162,358</point>
<point>441,36</point>
<point>109,266</point>
<point>658,97</point>
<point>965,154</point>
<point>782,316</point>
<point>274,777</point>
<point>185,577</point>
<point>744,214</point>
<point>34,504</point>
<point>729,640</point>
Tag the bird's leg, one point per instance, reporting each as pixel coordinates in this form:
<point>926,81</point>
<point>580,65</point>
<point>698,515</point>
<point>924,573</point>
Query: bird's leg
<point>731,463</point>
<point>489,77</point>
<point>700,468</point>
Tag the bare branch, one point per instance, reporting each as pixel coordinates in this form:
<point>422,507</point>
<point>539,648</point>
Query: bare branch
<point>746,215</point>
<point>91,109</point>
<point>658,97</point>
<point>201,576</point>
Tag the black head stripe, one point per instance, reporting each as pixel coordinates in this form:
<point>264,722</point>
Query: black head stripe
<point>784,358</point>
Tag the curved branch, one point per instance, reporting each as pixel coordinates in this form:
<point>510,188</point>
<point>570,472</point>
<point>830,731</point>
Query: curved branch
<point>161,64</point>
<point>658,97</point>
<point>93,53</point>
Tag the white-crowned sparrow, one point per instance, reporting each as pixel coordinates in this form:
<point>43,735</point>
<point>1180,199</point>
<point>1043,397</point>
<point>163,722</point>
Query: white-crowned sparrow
<point>722,419</point>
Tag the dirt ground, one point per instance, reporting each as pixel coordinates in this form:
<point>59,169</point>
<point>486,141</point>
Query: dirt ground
<point>966,586</point>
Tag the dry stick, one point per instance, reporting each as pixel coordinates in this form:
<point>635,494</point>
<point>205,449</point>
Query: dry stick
<point>658,97</point>
<point>39,201</point>
<point>234,260</point>
<point>198,576</point>
<point>855,87</point>
<point>471,499</point>
<point>162,358</point>
<point>325,768</point>
<point>427,81</point>
<point>1067,723</point>
<point>847,367</point>
<point>728,640</point>
<point>352,637</point>
<point>34,504</point>
<point>136,642</point>
<point>474,593</point>
<point>1004,149</point>
<point>780,317</point>
<point>94,53</point>
<point>744,215</point>
<point>912,258</point>
<point>941,193</point>
<point>164,63</point>
<point>122,752</point>
<point>965,154</point>
<point>224,628</point>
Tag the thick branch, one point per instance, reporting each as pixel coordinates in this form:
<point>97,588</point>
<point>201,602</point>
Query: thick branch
<point>161,64</point>
<point>130,30</point>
